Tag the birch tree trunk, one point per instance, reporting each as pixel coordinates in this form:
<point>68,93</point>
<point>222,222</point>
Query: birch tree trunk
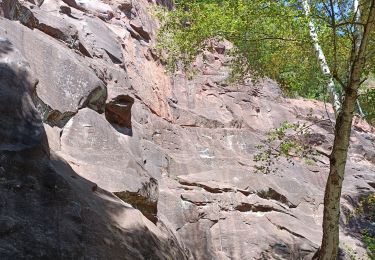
<point>335,98</point>
<point>330,241</point>
<point>358,38</point>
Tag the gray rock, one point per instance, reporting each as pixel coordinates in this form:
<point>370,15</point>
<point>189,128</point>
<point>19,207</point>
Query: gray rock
<point>74,85</point>
<point>125,5</point>
<point>100,41</point>
<point>51,212</point>
<point>105,156</point>
<point>138,27</point>
<point>55,26</point>
<point>36,2</point>
<point>94,6</point>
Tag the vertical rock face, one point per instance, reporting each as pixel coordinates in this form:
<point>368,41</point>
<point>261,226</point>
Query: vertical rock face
<point>21,127</point>
<point>124,137</point>
<point>46,209</point>
<point>65,84</point>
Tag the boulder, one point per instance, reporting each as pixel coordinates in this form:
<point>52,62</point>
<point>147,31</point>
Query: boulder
<point>55,26</point>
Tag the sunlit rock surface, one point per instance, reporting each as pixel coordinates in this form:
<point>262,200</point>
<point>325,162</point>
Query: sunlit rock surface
<point>125,135</point>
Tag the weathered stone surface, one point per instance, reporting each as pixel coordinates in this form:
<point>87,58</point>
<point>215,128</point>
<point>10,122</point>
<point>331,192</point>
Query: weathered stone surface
<point>51,212</point>
<point>94,6</point>
<point>103,155</point>
<point>210,156</point>
<point>183,154</point>
<point>7,8</point>
<point>122,5</point>
<point>36,2</point>
<point>99,40</point>
<point>125,5</point>
<point>53,136</point>
<point>110,159</point>
<point>65,85</point>
<point>138,27</point>
<point>53,25</point>
<point>148,79</point>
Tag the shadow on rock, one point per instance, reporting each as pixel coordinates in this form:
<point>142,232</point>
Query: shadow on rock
<point>5,47</point>
<point>359,218</point>
<point>47,211</point>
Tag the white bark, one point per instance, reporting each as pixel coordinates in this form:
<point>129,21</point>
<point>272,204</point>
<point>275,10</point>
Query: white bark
<point>357,28</point>
<point>335,98</point>
<point>358,39</point>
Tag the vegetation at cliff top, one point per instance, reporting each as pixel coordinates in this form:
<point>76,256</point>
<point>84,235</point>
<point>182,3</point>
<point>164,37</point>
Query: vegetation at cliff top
<point>271,39</point>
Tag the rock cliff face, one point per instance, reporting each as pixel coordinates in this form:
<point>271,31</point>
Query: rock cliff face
<point>125,137</point>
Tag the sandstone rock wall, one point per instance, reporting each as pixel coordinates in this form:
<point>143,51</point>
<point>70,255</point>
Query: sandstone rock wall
<point>180,150</point>
<point>48,211</point>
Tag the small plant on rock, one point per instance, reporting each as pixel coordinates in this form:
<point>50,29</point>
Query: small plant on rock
<point>287,141</point>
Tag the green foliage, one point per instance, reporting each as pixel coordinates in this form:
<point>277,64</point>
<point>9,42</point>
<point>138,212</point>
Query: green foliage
<point>367,101</point>
<point>270,37</point>
<point>366,207</point>
<point>287,141</point>
<point>369,241</point>
<point>366,210</point>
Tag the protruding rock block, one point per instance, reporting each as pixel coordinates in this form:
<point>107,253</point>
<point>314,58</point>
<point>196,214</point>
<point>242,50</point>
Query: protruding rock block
<point>118,111</point>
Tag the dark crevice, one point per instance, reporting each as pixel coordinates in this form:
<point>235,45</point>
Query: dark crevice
<point>245,207</point>
<point>145,199</point>
<point>113,58</point>
<point>143,204</point>
<point>274,195</point>
<point>286,229</point>
<point>196,203</point>
<point>206,188</point>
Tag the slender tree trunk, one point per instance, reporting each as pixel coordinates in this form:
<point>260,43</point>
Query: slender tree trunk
<point>335,98</point>
<point>330,241</point>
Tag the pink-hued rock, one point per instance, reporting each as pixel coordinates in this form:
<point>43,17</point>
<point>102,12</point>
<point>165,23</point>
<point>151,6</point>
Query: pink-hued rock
<point>180,149</point>
<point>51,211</point>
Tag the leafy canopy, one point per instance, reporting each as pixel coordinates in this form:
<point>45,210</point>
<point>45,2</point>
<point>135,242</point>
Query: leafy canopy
<point>271,39</point>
